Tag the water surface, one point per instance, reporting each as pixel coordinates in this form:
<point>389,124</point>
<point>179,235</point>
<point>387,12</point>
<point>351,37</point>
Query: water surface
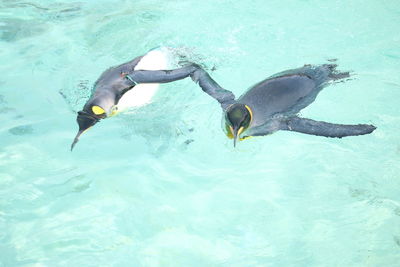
<point>164,186</point>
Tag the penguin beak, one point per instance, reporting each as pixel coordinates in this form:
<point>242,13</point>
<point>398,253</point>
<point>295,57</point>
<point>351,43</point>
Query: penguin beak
<point>76,139</point>
<point>235,138</point>
<point>236,134</point>
<point>85,122</point>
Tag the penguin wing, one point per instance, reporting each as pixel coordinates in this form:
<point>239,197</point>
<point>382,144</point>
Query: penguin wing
<point>212,88</point>
<point>161,76</point>
<point>320,128</point>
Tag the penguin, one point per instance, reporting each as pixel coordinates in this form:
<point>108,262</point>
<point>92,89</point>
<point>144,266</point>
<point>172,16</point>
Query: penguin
<point>131,84</point>
<point>274,103</point>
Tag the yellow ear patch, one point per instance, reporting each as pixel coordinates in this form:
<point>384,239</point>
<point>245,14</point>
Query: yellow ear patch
<point>240,131</point>
<point>98,110</point>
<point>250,111</point>
<point>229,131</point>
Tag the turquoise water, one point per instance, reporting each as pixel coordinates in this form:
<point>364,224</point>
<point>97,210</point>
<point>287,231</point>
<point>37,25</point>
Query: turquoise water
<point>164,186</point>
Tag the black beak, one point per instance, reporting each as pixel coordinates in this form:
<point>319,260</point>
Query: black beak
<point>76,139</point>
<point>235,136</point>
<point>85,121</point>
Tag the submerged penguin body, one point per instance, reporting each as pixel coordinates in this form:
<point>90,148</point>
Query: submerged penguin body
<point>284,94</point>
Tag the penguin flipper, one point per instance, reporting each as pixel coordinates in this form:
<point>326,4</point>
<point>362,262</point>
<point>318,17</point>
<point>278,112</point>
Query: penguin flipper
<point>212,88</point>
<point>320,128</point>
<point>161,76</point>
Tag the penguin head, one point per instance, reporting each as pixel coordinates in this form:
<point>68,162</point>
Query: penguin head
<point>93,111</point>
<point>237,120</point>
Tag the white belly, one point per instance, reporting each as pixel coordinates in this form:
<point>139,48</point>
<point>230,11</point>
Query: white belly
<point>142,94</point>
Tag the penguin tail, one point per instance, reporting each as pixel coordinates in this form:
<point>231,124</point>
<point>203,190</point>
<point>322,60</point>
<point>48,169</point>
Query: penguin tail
<point>326,73</point>
<point>336,75</point>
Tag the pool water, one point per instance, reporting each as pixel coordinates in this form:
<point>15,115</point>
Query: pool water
<point>163,186</point>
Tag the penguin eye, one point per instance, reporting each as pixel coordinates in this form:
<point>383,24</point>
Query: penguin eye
<point>98,110</point>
